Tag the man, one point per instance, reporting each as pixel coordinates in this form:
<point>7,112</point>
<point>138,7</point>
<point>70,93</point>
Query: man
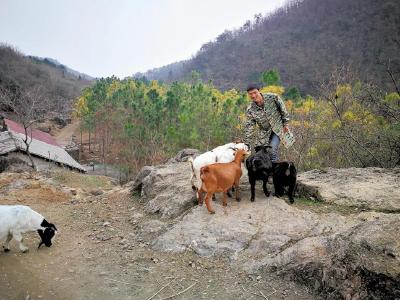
<point>269,114</point>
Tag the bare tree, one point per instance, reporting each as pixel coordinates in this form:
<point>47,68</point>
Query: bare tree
<point>28,106</point>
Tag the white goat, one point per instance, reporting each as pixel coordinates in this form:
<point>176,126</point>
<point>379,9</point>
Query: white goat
<point>18,219</point>
<point>220,154</point>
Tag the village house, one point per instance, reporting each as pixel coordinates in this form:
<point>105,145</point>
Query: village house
<point>44,150</point>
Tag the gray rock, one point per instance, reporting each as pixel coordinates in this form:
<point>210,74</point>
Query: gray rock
<point>152,226</point>
<point>273,225</point>
<point>96,192</point>
<point>366,188</point>
<point>352,255</point>
<point>165,189</point>
<point>137,184</point>
<point>184,155</point>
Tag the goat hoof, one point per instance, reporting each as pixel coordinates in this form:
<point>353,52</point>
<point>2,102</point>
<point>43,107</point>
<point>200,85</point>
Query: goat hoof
<point>6,250</point>
<point>212,212</point>
<point>291,201</point>
<point>252,199</point>
<point>266,195</point>
<point>25,250</point>
<point>238,199</point>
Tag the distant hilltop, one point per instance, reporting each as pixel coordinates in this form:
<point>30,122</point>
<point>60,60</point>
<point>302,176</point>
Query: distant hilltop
<point>56,63</point>
<point>303,40</point>
<point>56,81</point>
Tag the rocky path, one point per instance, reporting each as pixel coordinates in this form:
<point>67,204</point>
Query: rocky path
<point>64,136</point>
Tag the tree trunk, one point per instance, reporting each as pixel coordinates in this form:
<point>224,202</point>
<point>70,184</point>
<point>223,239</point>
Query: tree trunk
<point>27,144</point>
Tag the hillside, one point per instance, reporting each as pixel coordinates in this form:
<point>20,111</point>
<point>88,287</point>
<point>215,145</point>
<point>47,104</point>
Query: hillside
<point>304,40</point>
<point>339,240</point>
<point>59,83</point>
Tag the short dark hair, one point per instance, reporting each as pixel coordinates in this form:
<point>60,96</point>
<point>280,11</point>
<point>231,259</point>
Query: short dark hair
<point>251,87</point>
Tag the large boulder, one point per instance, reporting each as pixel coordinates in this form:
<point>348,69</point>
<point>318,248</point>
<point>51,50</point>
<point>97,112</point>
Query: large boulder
<point>361,262</point>
<point>351,254</point>
<point>184,155</point>
<point>165,189</point>
<point>365,188</point>
<point>266,226</point>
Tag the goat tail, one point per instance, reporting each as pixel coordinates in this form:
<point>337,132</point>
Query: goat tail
<point>190,160</point>
<point>204,171</point>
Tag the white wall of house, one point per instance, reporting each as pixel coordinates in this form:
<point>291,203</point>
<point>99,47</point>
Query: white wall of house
<point>41,164</point>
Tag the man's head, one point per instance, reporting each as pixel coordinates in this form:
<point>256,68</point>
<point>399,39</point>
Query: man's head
<point>255,95</point>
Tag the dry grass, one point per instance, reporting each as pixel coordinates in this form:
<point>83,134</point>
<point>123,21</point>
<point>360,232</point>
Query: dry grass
<point>82,181</point>
<point>40,194</point>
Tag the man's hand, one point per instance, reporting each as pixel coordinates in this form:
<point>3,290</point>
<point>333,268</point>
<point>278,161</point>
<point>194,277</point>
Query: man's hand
<point>285,128</point>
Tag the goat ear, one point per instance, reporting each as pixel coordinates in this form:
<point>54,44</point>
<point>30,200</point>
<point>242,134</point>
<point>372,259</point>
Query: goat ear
<point>45,223</point>
<point>51,225</point>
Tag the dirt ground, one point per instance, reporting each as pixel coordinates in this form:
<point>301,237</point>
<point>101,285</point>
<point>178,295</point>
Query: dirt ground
<point>97,255</point>
<point>64,135</point>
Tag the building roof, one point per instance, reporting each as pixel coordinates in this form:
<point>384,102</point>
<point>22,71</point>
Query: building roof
<point>36,134</point>
<point>13,141</point>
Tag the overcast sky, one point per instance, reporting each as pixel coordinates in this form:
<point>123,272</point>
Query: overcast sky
<point>120,37</point>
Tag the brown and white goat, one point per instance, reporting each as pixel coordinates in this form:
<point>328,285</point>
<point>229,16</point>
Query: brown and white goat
<point>220,177</point>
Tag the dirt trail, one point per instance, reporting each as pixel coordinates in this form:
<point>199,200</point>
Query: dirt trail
<point>97,256</point>
<point>64,136</point>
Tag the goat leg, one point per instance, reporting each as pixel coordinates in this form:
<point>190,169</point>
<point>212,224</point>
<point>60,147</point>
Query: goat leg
<point>208,204</point>
<point>252,188</point>
<point>278,188</point>
<point>7,243</point>
<point>237,192</point>
<point>18,237</point>
<point>265,189</point>
<point>292,185</point>
<point>229,192</point>
<point>224,200</point>
<point>200,197</point>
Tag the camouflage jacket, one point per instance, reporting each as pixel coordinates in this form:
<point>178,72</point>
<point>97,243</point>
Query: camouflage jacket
<point>261,121</point>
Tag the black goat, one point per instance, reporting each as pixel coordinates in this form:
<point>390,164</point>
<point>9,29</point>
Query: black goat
<point>259,167</point>
<point>284,174</point>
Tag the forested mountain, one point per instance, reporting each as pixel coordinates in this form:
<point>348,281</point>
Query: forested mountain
<point>57,82</point>
<point>304,40</point>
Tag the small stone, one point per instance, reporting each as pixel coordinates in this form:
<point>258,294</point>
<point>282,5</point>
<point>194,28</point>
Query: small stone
<point>106,224</point>
<point>96,192</point>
